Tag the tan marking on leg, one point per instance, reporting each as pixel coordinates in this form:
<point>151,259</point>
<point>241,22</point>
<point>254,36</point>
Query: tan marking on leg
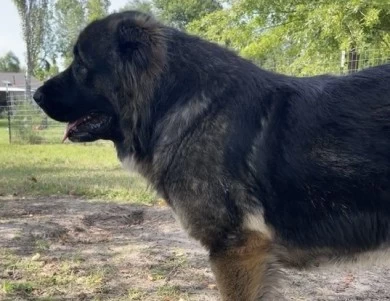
<point>241,272</point>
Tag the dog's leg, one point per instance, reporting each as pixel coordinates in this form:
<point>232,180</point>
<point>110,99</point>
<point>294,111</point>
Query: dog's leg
<point>245,271</point>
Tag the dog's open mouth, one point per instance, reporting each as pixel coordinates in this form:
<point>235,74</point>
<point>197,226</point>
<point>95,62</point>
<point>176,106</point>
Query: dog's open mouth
<point>88,128</point>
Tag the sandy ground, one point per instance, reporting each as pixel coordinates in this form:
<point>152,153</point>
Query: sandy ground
<point>146,255</point>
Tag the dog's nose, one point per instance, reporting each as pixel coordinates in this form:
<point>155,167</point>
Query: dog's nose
<point>38,96</point>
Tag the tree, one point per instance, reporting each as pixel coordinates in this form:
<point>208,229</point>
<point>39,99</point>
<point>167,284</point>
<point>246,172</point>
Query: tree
<point>47,69</point>
<point>71,16</point>
<point>97,9</point>
<point>9,63</point>
<point>47,65</point>
<point>33,14</point>
<point>179,13</point>
<point>140,5</point>
<point>311,33</point>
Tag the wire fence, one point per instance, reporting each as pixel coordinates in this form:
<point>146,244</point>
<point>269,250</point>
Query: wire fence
<point>22,121</point>
<point>26,122</point>
<point>344,62</point>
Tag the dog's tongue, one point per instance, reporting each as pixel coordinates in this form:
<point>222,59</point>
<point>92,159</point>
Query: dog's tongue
<point>69,127</point>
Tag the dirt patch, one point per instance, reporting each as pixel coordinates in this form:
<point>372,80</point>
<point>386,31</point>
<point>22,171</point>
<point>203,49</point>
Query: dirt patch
<point>70,249</point>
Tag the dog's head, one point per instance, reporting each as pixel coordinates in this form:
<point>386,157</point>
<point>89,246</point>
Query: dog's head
<point>116,63</point>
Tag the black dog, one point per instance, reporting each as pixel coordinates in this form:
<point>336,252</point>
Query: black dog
<point>264,170</point>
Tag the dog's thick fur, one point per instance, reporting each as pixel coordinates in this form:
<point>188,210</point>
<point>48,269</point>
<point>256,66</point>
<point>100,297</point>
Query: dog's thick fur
<point>264,170</point>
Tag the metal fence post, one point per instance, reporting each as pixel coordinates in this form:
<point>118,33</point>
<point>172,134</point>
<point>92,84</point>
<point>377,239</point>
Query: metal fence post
<point>342,62</point>
<point>9,104</point>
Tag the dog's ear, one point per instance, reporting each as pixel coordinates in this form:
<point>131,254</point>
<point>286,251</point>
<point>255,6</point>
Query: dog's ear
<point>131,36</point>
<point>138,36</point>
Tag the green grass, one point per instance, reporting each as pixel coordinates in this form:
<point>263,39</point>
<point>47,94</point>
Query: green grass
<point>136,294</point>
<point>3,123</point>
<point>3,131</point>
<point>170,293</point>
<point>88,171</point>
<point>14,287</point>
<point>164,269</point>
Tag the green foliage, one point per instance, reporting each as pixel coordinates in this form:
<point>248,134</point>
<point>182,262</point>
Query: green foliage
<point>46,71</point>
<point>34,15</point>
<point>140,5</point>
<point>311,34</point>
<point>97,9</point>
<point>9,63</point>
<point>69,19</point>
<point>47,66</point>
<point>179,13</point>
<point>71,16</point>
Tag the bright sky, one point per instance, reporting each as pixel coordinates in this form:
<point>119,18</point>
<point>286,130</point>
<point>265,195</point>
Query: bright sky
<point>11,30</point>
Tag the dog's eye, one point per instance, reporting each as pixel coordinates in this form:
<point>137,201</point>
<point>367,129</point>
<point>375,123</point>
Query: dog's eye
<point>81,70</point>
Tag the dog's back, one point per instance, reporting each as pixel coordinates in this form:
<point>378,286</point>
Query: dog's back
<point>325,165</point>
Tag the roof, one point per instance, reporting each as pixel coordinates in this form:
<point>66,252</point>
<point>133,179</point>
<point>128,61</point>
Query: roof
<point>17,79</point>
<point>11,89</point>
